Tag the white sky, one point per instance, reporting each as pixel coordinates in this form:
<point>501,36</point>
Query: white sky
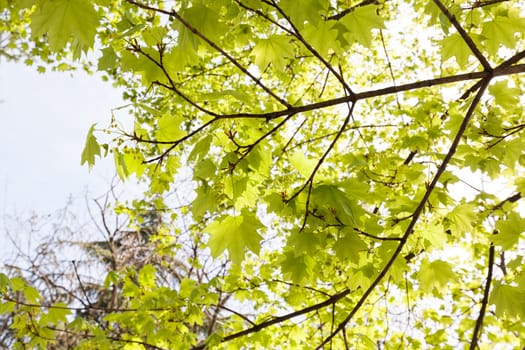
<point>44,119</point>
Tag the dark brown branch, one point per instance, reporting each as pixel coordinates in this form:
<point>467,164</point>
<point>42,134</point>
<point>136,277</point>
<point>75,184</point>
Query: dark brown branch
<point>411,156</point>
<point>216,47</point>
<point>499,71</point>
<point>366,234</point>
<point>265,16</point>
<point>513,60</point>
<point>236,313</point>
<point>389,64</point>
<point>81,285</point>
<point>343,13</point>
<point>250,147</point>
<point>502,70</point>
<point>483,3</point>
<point>514,198</point>
<point>484,301</point>
<point>179,141</point>
<point>335,298</point>
<point>417,213</point>
<point>464,35</point>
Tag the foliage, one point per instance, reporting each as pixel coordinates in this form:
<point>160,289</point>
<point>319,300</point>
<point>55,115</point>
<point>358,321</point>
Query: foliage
<point>356,168</point>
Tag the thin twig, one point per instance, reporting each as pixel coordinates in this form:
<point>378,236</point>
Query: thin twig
<point>325,154</point>
<point>309,47</point>
<point>230,58</point>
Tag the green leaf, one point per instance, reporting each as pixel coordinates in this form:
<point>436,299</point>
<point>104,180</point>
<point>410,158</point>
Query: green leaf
<point>499,31</point>
<point>91,149</point>
<point>322,36</point>
<point>454,46</point>
<point>205,169</point>
<point>505,96</point>
<point>7,307</point>
<point>297,266</point>
<point>361,22</point>
<point>201,148</point>
<point>275,50</point>
<point>462,218</point>
<point>304,241</point>
<point>331,201</point>
<point>235,234</point>
<point>58,312</point>
<point>509,300</point>
<point>66,21</point>
<point>205,20</point>
<point>147,276</point>
<point>108,60</point>
<point>31,294</point>
<point>509,231</point>
<point>302,164</point>
<point>309,11</point>
<point>435,275</point>
<point>4,282</point>
<point>169,128</point>
<point>206,201</point>
<point>350,246</point>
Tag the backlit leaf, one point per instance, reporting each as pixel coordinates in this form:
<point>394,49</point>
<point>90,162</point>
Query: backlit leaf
<point>235,234</point>
<point>66,21</point>
<point>91,148</point>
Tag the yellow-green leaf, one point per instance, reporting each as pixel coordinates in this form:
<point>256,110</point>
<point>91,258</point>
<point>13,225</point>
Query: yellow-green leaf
<point>91,149</point>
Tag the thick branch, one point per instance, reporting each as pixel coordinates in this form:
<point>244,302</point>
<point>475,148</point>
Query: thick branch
<point>280,319</point>
<point>500,71</point>
<point>514,198</point>
<point>416,215</point>
<point>464,35</point>
<point>484,302</point>
<point>343,13</point>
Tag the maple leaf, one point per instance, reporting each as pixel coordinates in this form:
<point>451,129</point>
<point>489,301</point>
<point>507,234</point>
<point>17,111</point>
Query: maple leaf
<point>360,23</point>
<point>235,234</point>
<point>91,149</point>
<point>64,21</point>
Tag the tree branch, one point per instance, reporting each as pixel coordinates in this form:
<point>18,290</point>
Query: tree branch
<point>323,157</point>
<point>484,302</point>
<point>230,58</point>
<point>464,35</point>
<point>499,71</point>
<point>335,298</point>
<point>343,13</point>
<point>310,48</point>
<point>417,212</point>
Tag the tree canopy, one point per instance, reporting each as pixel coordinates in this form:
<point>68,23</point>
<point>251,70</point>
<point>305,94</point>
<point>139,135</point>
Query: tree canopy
<point>356,171</point>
